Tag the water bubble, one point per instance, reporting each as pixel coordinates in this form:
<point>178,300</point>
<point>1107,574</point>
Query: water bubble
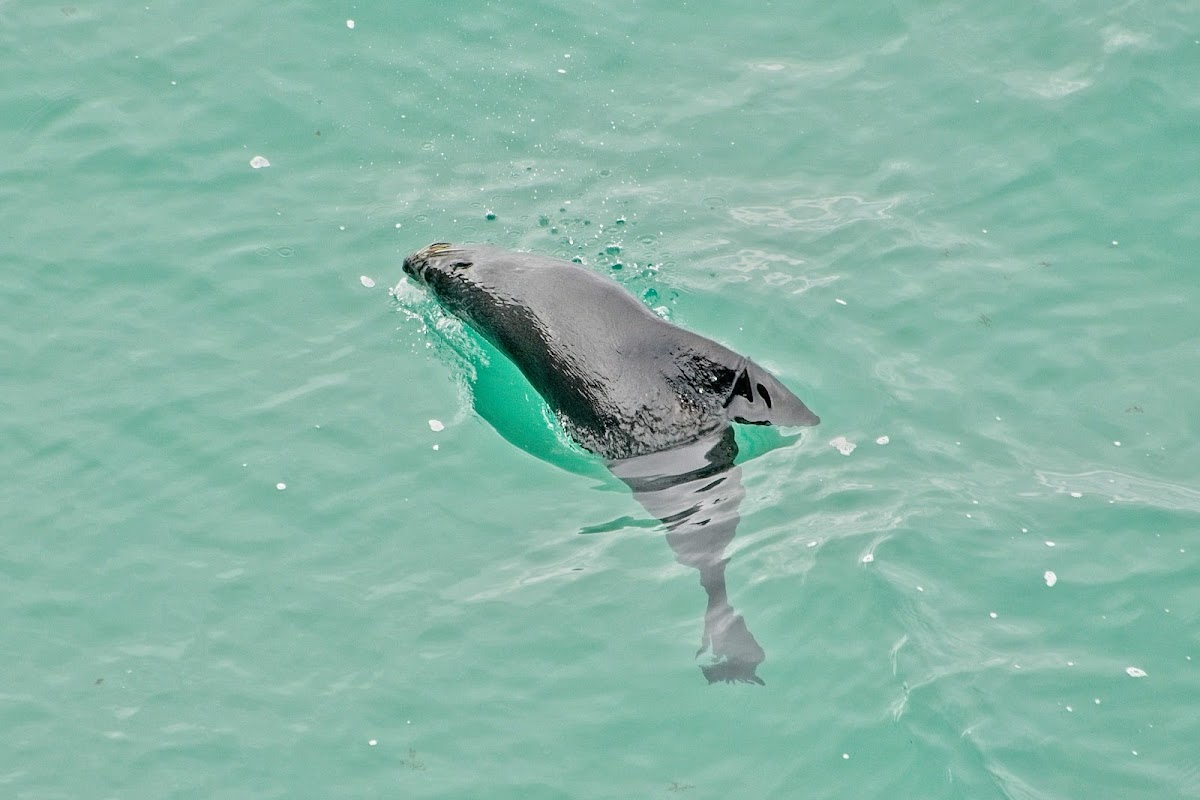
<point>1135,672</point>
<point>350,24</point>
<point>258,162</point>
<point>1050,578</point>
<point>366,281</point>
<point>281,486</point>
<point>436,425</point>
<point>883,440</point>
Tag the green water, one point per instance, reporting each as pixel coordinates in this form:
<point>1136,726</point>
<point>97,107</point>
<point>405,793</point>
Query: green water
<point>970,228</point>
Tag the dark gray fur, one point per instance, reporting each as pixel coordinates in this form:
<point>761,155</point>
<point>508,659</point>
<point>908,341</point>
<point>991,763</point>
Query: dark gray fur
<point>622,381</point>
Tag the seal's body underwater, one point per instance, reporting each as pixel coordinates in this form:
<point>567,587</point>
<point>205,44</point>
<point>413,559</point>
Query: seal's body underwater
<point>622,381</point>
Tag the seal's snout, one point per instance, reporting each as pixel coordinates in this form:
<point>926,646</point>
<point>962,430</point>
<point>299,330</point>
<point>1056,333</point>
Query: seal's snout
<point>414,266</point>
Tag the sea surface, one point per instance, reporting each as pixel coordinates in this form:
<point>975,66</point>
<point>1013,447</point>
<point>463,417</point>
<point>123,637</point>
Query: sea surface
<point>273,526</point>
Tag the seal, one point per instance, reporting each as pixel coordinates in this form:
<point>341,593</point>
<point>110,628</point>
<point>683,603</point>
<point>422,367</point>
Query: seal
<point>654,400</point>
<point>622,381</point>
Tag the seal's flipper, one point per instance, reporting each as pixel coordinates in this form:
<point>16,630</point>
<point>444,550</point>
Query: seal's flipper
<point>758,398</point>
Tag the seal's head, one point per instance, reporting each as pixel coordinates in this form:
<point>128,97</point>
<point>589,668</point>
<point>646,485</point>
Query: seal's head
<point>436,262</point>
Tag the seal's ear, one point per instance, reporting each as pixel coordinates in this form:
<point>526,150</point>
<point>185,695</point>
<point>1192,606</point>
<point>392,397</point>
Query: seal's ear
<point>757,398</point>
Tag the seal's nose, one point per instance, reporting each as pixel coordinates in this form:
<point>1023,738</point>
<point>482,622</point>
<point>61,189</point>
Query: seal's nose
<point>413,265</point>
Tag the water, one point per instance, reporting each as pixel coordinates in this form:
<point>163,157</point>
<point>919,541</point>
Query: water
<point>969,230</point>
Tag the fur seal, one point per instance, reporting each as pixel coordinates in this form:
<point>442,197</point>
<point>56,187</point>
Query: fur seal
<point>622,381</point>
<point>654,400</point>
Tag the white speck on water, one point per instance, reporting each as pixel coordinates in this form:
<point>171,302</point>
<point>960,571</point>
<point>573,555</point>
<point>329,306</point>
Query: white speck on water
<point>341,227</point>
<point>1070,663</point>
<point>985,230</point>
<point>843,445</point>
<point>1116,444</point>
<point>281,486</point>
<point>998,419</point>
<point>372,742</point>
<point>969,516</point>
<point>975,502</point>
<point>868,558</point>
<point>845,755</point>
<point>1115,242</point>
<point>350,24</point>
<point>813,543</point>
<point>1097,701</point>
<point>562,72</point>
<point>398,224</point>
<point>258,162</point>
<point>920,588</point>
<point>839,301</point>
<point>882,440</point>
<point>367,282</point>
<point>1132,751</point>
<point>1076,494</point>
<point>1135,672</point>
<point>1051,578</point>
<point>992,614</point>
<point>436,425</point>
<point>435,447</point>
<point>1070,709</point>
<point>1024,530</point>
<point>1049,543</point>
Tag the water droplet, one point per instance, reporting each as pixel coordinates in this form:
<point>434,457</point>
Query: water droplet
<point>992,614</point>
<point>350,25</point>
<point>281,486</point>
<point>367,282</point>
<point>258,162</point>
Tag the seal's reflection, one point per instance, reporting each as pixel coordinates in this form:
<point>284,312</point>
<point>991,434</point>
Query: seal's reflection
<point>695,490</point>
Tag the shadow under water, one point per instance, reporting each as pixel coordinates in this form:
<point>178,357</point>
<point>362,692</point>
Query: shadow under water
<point>695,490</point>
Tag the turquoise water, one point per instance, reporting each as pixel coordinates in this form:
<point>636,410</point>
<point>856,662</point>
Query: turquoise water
<point>972,230</point>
